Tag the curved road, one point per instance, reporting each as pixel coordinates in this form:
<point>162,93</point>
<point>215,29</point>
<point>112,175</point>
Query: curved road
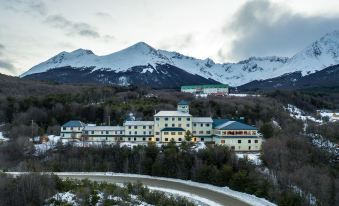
<point>206,193</point>
<point>200,190</point>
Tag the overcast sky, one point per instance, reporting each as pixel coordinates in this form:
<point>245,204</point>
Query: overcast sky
<point>31,31</point>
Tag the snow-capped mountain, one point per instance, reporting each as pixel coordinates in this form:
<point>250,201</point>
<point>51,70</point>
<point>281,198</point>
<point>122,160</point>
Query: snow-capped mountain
<point>155,62</point>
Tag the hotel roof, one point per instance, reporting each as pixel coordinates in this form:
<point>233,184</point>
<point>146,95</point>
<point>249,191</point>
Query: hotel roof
<point>74,123</point>
<point>173,129</point>
<point>104,128</point>
<point>225,124</point>
<point>136,123</point>
<point>202,119</point>
<point>172,114</point>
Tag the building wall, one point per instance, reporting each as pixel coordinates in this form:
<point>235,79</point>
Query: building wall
<point>245,144</point>
<point>71,132</point>
<point>201,129</point>
<point>177,136</point>
<point>164,122</point>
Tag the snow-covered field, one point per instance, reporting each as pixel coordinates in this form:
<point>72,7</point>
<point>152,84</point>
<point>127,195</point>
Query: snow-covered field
<point>332,116</point>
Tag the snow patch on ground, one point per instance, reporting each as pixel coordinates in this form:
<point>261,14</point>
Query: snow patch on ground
<point>200,201</point>
<point>66,197</point>
<point>199,146</point>
<point>2,138</point>
<point>252,157</point>
<point>44,147</point>
<point>297,113</point>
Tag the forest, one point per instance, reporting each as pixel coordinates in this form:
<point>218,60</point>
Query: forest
<point>294,172</point>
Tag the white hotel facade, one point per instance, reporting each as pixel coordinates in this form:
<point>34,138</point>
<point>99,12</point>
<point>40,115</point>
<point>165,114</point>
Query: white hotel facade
<point>168,126</point>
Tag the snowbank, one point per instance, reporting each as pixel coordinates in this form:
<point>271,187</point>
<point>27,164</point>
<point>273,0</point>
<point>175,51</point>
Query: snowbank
<point>252,157</point>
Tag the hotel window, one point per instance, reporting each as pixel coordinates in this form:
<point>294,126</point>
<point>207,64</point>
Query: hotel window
<point>239,141</point>
<point>102,132</point>
<point>172,133</point>
<point>173,119</point>
<point>130,132</point>
<point>166,125</point>
<point>157,118</point>
<point>144,127</point>
<point>201,125</point>
<point>202,139</point>
<point>194,132</point>
<point>249,147</point>
<point>92,132</point>
<point>150,127</point>
<point>179,139</point>
<point>157,139</point>
<point>144,132</point>
<point>150,132</point>
<point>256,141</point>
<point>179,125</point>
<point>166,139</point>
<point>254,133</point>
<point>179,133</point>
<point>64,128</point>
<point>249,141</point>
<point>129,127</point>
<point>201,132</point>
<point>208,132</point>
<point>173,125</point>
<point>135,127</point>
<point>165,133</point>
<point>188,119</point>
<point>187,125</point>
<point>207,125</point>
<point>143,139</point>
<point>166,118</point>
<point>149,139</point>
<point>179,118</point>
<point>135,139</point>
<point>194,125</point>
<point>135,132</point>
<point>157,133</point>
<point>106,132</point>
<point>129,139</point>
<point>222,141</point>
<point>232,148</point>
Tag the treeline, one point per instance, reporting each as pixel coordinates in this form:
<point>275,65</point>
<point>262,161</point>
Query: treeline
<point>34,189</point>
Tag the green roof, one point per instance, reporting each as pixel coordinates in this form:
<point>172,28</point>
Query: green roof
<point>173,129</point>
<point>183,102</point>
<point>205,86</point>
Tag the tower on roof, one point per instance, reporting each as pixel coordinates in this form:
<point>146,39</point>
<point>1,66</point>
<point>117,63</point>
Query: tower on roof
<point>183,106</point>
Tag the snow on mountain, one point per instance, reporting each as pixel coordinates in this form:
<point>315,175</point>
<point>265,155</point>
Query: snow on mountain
<point>320,54</point>
<point>317,56</point>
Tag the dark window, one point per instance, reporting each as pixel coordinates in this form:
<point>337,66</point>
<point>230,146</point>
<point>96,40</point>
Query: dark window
<point>187,125</point>
<point>129,139</point>
<point>135,132</point>
<point>194,124</point>
<point>172,133</point>
<point>157,139</point>
<point>165,133</point>
<point>157,133</point>
<point>179,133</point>
<point>149,139</point>
<point>232,148</point>
<point>135,127</point>
<point>202,139</point>
<point>179,139</point>
<point>201,125</point>
<point>150,132</point>
<point>239,141</point>
<point>92,132</point>
<point>143,139</point>
<point>157,118</point>
<point>173,119</point>
<point>249,141</point>
<point>188,119</point>
<point>130,132</point>
<point>129,127</point>
<point>207,125</point>
<point>106,132</point>
<point>173,125</point>
<point>166,118</point>
<point>179,125</point>
<point>255,141</point>
<point>135,139</point>
<point>249,147</point>
<point>144,127</point>
<point>208,132</point>
<point>102,132</point>
<point>179,118</point>
<point>166,125</point>
<point>144,132</point>
<point>166,139</point>
<point>64,128</point>
<point>150,127</point>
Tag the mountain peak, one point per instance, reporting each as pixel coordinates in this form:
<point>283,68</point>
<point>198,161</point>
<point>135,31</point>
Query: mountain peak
<point>82,52</point>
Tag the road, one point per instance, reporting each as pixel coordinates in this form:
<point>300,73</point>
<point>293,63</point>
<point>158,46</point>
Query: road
<point>206,193</point>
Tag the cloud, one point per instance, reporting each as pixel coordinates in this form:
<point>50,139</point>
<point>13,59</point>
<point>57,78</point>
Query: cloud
<point>177,42</point>
<point>262,28</point>
<point>6,65</point>
<point>27,6</point>
<point>71,28</point>
<point>2,47</point>
<point>103,15</point>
